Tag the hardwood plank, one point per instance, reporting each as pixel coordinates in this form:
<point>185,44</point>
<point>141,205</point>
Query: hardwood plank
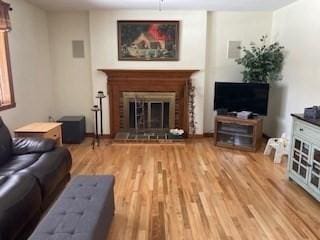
<point>199,191</point>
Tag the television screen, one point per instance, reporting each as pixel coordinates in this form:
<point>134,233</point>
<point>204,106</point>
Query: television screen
<point>237,97</point>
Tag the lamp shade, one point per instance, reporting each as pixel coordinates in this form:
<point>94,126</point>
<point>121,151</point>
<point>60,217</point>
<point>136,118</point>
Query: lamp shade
<point>100,94</point>
<point>5,24</point>
<point>95,108</point>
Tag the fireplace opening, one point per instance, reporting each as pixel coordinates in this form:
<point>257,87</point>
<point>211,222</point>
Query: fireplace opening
<point>148,111</point>
<point>149,115</point>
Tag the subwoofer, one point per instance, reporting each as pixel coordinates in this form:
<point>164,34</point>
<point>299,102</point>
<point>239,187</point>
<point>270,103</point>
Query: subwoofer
<point>73,129</point>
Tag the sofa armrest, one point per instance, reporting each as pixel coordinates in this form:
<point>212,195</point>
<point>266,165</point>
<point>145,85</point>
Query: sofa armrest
<point>32,145</point>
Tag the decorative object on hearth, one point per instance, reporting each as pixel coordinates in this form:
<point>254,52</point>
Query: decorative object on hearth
<point>192,122</point>
<point>312,112</point>
<point>100,96</point>
<point>148,40</point>
<point>177,132</point>
<point>96,139</point>
<point>262,64</point>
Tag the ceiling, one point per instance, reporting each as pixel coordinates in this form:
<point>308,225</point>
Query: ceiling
<point>214,5</point>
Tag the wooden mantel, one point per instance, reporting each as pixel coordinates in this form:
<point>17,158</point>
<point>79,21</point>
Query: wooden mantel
<point>124,80</point>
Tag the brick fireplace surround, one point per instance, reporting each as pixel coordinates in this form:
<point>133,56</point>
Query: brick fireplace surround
<point>120,80</point>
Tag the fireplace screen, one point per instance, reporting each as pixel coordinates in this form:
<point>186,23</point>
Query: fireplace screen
<point>149,111</point>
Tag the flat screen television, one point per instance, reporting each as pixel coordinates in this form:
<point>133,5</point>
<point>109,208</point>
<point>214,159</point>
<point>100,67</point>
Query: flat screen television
<point>237,97</point>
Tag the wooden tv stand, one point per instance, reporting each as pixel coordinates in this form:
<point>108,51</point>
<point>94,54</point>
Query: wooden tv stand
<point>235,133</point>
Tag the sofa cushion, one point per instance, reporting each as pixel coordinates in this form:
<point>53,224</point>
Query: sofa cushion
<point>50,169</point>
<point>18,163</point>
<point>5,143</point>
<point>20,201</point>
<point>32,145</point>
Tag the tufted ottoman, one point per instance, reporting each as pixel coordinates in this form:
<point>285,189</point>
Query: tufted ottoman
<point>84,211</point>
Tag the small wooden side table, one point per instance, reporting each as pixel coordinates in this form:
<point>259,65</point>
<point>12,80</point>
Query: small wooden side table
<point>50,130</point>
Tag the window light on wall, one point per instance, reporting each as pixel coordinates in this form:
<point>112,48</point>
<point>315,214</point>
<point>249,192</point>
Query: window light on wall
<point>6,86</point>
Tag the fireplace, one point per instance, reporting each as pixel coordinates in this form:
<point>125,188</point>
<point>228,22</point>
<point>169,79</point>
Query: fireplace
<point>148,100</point>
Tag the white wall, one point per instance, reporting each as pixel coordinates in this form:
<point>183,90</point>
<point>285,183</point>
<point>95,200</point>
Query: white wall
<point>75,82</point>
<point>72,76</point>
<point>203,46</point>
<point>297,27</point>
<point>30,60</point>
<point>103,32</point>
<point>222,27</point>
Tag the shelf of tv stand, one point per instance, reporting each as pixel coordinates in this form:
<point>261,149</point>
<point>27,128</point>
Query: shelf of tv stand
<point>235,133</point>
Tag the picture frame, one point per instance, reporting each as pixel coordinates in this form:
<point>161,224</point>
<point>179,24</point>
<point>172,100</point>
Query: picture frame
<point>148,40</point>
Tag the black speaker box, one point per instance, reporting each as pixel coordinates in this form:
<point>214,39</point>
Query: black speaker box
<point>73,129</point>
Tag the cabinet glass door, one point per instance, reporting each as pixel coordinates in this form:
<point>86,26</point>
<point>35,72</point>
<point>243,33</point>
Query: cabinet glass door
<point>314,180</point>
<point>299,159</point>
<point>235,134</point>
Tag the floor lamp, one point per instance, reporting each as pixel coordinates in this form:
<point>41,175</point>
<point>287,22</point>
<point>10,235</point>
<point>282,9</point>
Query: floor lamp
<point>96,139</point>
<point>100,96</point>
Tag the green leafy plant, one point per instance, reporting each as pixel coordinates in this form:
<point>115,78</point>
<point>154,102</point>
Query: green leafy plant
<point>262,64</point>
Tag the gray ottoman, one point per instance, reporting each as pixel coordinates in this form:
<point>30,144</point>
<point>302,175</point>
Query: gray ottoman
<point>84,211</point>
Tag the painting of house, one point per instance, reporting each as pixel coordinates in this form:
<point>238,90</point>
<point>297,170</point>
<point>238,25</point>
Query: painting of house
<point>148,40</point>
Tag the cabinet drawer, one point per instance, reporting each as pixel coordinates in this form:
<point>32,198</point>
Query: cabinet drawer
<point>307,131</point>
<point>53,134</point>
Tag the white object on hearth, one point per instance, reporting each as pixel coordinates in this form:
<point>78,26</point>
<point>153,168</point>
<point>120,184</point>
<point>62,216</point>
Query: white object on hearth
<point>177,132</point>
<point>281,146</point>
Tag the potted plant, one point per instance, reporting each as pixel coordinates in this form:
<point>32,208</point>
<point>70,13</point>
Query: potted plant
<point>262,64</point>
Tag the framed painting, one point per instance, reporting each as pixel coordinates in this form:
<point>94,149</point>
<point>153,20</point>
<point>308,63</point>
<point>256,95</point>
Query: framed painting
<point>148,40</point>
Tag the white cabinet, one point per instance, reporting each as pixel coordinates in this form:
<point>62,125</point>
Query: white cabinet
<point>314,179</point>
<point>304,159</point>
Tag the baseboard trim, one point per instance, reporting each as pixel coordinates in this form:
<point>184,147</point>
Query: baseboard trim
<point>104,136</point>
<point>108,136</point>
<point>204,135</point>
<point>208,134</point>
<point>196,136</point>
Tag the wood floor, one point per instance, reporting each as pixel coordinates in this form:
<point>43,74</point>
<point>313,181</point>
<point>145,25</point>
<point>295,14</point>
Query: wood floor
<point>198,191</point>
